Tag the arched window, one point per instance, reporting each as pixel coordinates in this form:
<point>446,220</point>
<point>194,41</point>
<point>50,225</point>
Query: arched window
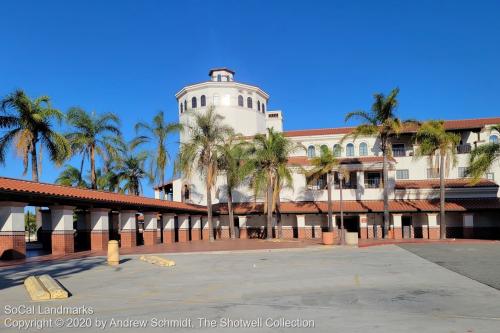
<point>203,101</point>
<point>240,100</point>
<point>263,108</point>
<point>349,150</point>
<point>249,102</point>
<point>219,78</point>
<point>258,105</point>
<point>193,103</point>
<point>493,139</point>
<point>311,151</point>
<point>182,108</point>
<point>337,150</point>
<point>185,105</point>
<point>363,149</point>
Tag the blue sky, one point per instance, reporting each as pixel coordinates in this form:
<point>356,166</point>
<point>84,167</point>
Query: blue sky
<point>317,59</point>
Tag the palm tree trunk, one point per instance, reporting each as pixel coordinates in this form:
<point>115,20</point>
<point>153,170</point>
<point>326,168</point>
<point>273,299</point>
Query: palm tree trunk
<point>34,163</point>
<point>278,217</point>
<point>330,208</point>
<point>442,220</point>
<point>269,232</point>
<point>209,212</point>
<point>385,177</point>
<point>230,211</point>
<point>342,231</point>
<point>92,168</point>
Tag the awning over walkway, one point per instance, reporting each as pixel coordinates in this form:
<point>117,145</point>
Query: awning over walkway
<point>43,194</point>
<point>367,206</point>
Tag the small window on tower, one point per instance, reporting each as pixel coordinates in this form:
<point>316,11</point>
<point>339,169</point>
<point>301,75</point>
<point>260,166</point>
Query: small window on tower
<point>240,100</point>
<point>219,78</point>
<point>194,103</point>
<point>249,103</point>
<point>203,101</point>
<point>263,108</point>
<point>258,105</point>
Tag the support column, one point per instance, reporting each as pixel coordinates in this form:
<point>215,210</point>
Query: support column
<point>242,225</point>
<point>183,221</point>
<point>150,226</point>
<point>46,229</point>
<point>223,227</point>
<point>363,226</point>
<point>397,226</point>
<point>205,233</point>
<point>63,238</point>
<point>99,234</point>
<point>168,228</point>
<point>12,234</point>
<point>195,227</point>
<point>128,232</point>
<point>468,225</point>
<point>301,224</point>
<point>432,226</point>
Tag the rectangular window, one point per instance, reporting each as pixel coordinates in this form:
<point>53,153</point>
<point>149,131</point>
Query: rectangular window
<point>398,149</point>
<point>316,184</point>
<point>490,176</point>
<point>403,174</point>
<point>462,172</point>
<point>432,173</point>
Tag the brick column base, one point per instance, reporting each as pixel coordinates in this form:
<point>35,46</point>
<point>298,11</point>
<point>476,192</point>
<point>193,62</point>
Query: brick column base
<point>205,234</point>
<point>168,236</point>
<point>364,232</point>
<point>128,238</point>
<point>468,232</point>
<point>223,233</point>
<point>63,242</point>
<point>149,237</point>
<point>12,245</point>
<point>183,235</point>
<point>398,233</point>
<point>99,240</point>
<point>425,232</point>
<point>287,233</point>
<point>195,234</point>
<point>244,235</point>
<point>433,233</point>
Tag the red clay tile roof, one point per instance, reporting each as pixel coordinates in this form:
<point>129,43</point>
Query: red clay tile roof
<point>57,193</point>
<point>449,183</point>
<point>449,124</point>
<point>304,160</point>
<point>310,207</point>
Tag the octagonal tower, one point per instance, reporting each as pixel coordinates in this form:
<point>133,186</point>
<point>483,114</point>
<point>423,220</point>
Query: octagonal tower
<point>243,106</point>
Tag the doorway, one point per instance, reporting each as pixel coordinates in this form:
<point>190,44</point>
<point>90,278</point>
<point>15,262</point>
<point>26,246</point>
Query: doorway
<point>406,224</point>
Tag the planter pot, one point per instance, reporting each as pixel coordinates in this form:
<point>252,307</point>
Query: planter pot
<point>328,238</point>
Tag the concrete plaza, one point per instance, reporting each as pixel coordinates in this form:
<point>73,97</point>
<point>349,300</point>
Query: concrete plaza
<point>374,289</point>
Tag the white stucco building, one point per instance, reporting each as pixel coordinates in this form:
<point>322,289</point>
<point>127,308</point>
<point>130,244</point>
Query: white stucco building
<point>413,183</point>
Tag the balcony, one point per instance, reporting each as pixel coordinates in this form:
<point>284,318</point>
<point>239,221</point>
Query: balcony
<point>464,149</point>
<point>398,152</point>
<point>373,183</point>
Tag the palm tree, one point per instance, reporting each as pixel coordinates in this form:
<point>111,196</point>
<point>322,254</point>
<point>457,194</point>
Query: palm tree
<point>93,135</point>
<point>71,176</point>
<point>269,162</point>
<point>233,155</point>
<point>28,123</point>
<point>131,171</point>
<point>324,165</point>
<point>381,122</point>
<point>206,133</point>
<point>440,147</point>
<point>157,132</point>
<point>482,158</point>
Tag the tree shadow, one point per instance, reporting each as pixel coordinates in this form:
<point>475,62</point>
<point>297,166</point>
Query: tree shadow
<point>14,276</point>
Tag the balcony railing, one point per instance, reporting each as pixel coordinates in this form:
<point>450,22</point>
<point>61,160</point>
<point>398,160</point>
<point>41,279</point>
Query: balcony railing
<point>372,183</point>
<point>464,149</point>
<point>398,152</point>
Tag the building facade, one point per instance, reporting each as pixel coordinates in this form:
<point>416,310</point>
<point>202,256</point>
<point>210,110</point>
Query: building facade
<point>413,183</point>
